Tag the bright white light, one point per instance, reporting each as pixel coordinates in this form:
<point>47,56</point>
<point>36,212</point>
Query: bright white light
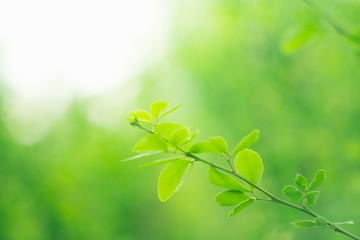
<point>51,50</point>
<point>88,46</point>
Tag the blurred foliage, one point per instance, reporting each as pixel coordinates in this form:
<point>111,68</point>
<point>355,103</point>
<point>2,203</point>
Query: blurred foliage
<point>235,66</point>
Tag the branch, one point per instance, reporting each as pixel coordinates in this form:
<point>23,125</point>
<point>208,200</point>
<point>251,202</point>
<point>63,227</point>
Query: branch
<point>273,198</point>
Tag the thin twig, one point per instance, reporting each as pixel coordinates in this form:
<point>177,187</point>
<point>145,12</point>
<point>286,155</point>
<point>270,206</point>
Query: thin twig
<point>272,197</point>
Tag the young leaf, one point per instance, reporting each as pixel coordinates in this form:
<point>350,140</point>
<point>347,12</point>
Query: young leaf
<point>170,111</point>
<point>167,129</point>
<point>249,164</point>
<point>318,180</point>
<point>311,197</point>
<point>192,137</point>
<point>231,198</point>
<point>140,156</point>
<point>300,38</point>
<point>150,143</point>
<point>141,115</point>
<point>157,107</point>
<point>292,192</point>
<point>179,136</point>
<point>129,119</point>
<point>219,143</point>
<point>301,182</point>
<point>240,207</point>
<point>160,161</point>
<point>222,180</point>
<point>171,178</point>
<point>204,147</point>
<point>321,221</point>
<point>247,141</point>
<point>305,224</point>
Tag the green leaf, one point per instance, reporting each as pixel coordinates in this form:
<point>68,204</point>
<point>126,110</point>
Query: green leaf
<point>192,137</point>
<point>140,156</point>
<point>300,38</point>
<point>241,207</point>
<point>305,224</point>
<point>156,108</point>
<point>141,115</point>
<point>318,180</point>
<point>301,182</point>
<point>179,136</point>
<point>321,221</point>
<point>204,147</point>
<point>311,197</point>
<point>129,119</point>
<point>292,192</point>
<point>167,129</point>
<point>150,143</point>
<point>247,141</point>
<point>249,164</point>
<point>171,178</point>
<point>220,144</point>
<point>160,161</point>
<point>170,111</point>
<point>231,198</point>
<point>222,180</point>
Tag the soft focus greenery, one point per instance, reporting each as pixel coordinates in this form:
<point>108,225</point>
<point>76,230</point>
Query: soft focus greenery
<point>234,66</point>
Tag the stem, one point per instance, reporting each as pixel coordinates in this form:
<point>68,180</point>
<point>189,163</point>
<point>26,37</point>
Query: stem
<point>273,198</point>
<point>228,160</point>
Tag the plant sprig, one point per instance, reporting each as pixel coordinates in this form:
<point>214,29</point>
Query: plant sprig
<point>241,180</point>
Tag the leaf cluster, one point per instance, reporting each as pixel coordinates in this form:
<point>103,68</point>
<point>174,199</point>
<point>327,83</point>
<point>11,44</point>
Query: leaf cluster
<point>304,190</point>
<point>169,137</point>
<point>239,182</point>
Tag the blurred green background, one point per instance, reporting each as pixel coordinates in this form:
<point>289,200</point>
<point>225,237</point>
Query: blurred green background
<point>234,66</point>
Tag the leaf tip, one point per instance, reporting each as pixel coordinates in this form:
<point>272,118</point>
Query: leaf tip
<point>163,199</point>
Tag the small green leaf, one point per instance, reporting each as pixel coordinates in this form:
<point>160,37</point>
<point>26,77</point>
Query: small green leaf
<point>133,122</point>
<point>141,115</point>
<point>222,180</point>
<point>247,141</point>
<point>160,161</point>
<point>249,164</point>
<point>192,137</point>
<point>301,182</point>
<point>167,129</point>
<point>305,224</point>
<point>231,198</point>
<point>179,136</point>
<point>292,192</point>
<point>170,111</point>
<point>241,207</point>
<point>220,144</point>
<point>150,143</point>
<point>171,178</point>
<point>157,107</point>
<point>311,197</point>
<point>140,156</point>
<point>321,221</point>
<point>129,119</point>
<point>318,180</point>
<point>300,38</point>
<point>204,147</point>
